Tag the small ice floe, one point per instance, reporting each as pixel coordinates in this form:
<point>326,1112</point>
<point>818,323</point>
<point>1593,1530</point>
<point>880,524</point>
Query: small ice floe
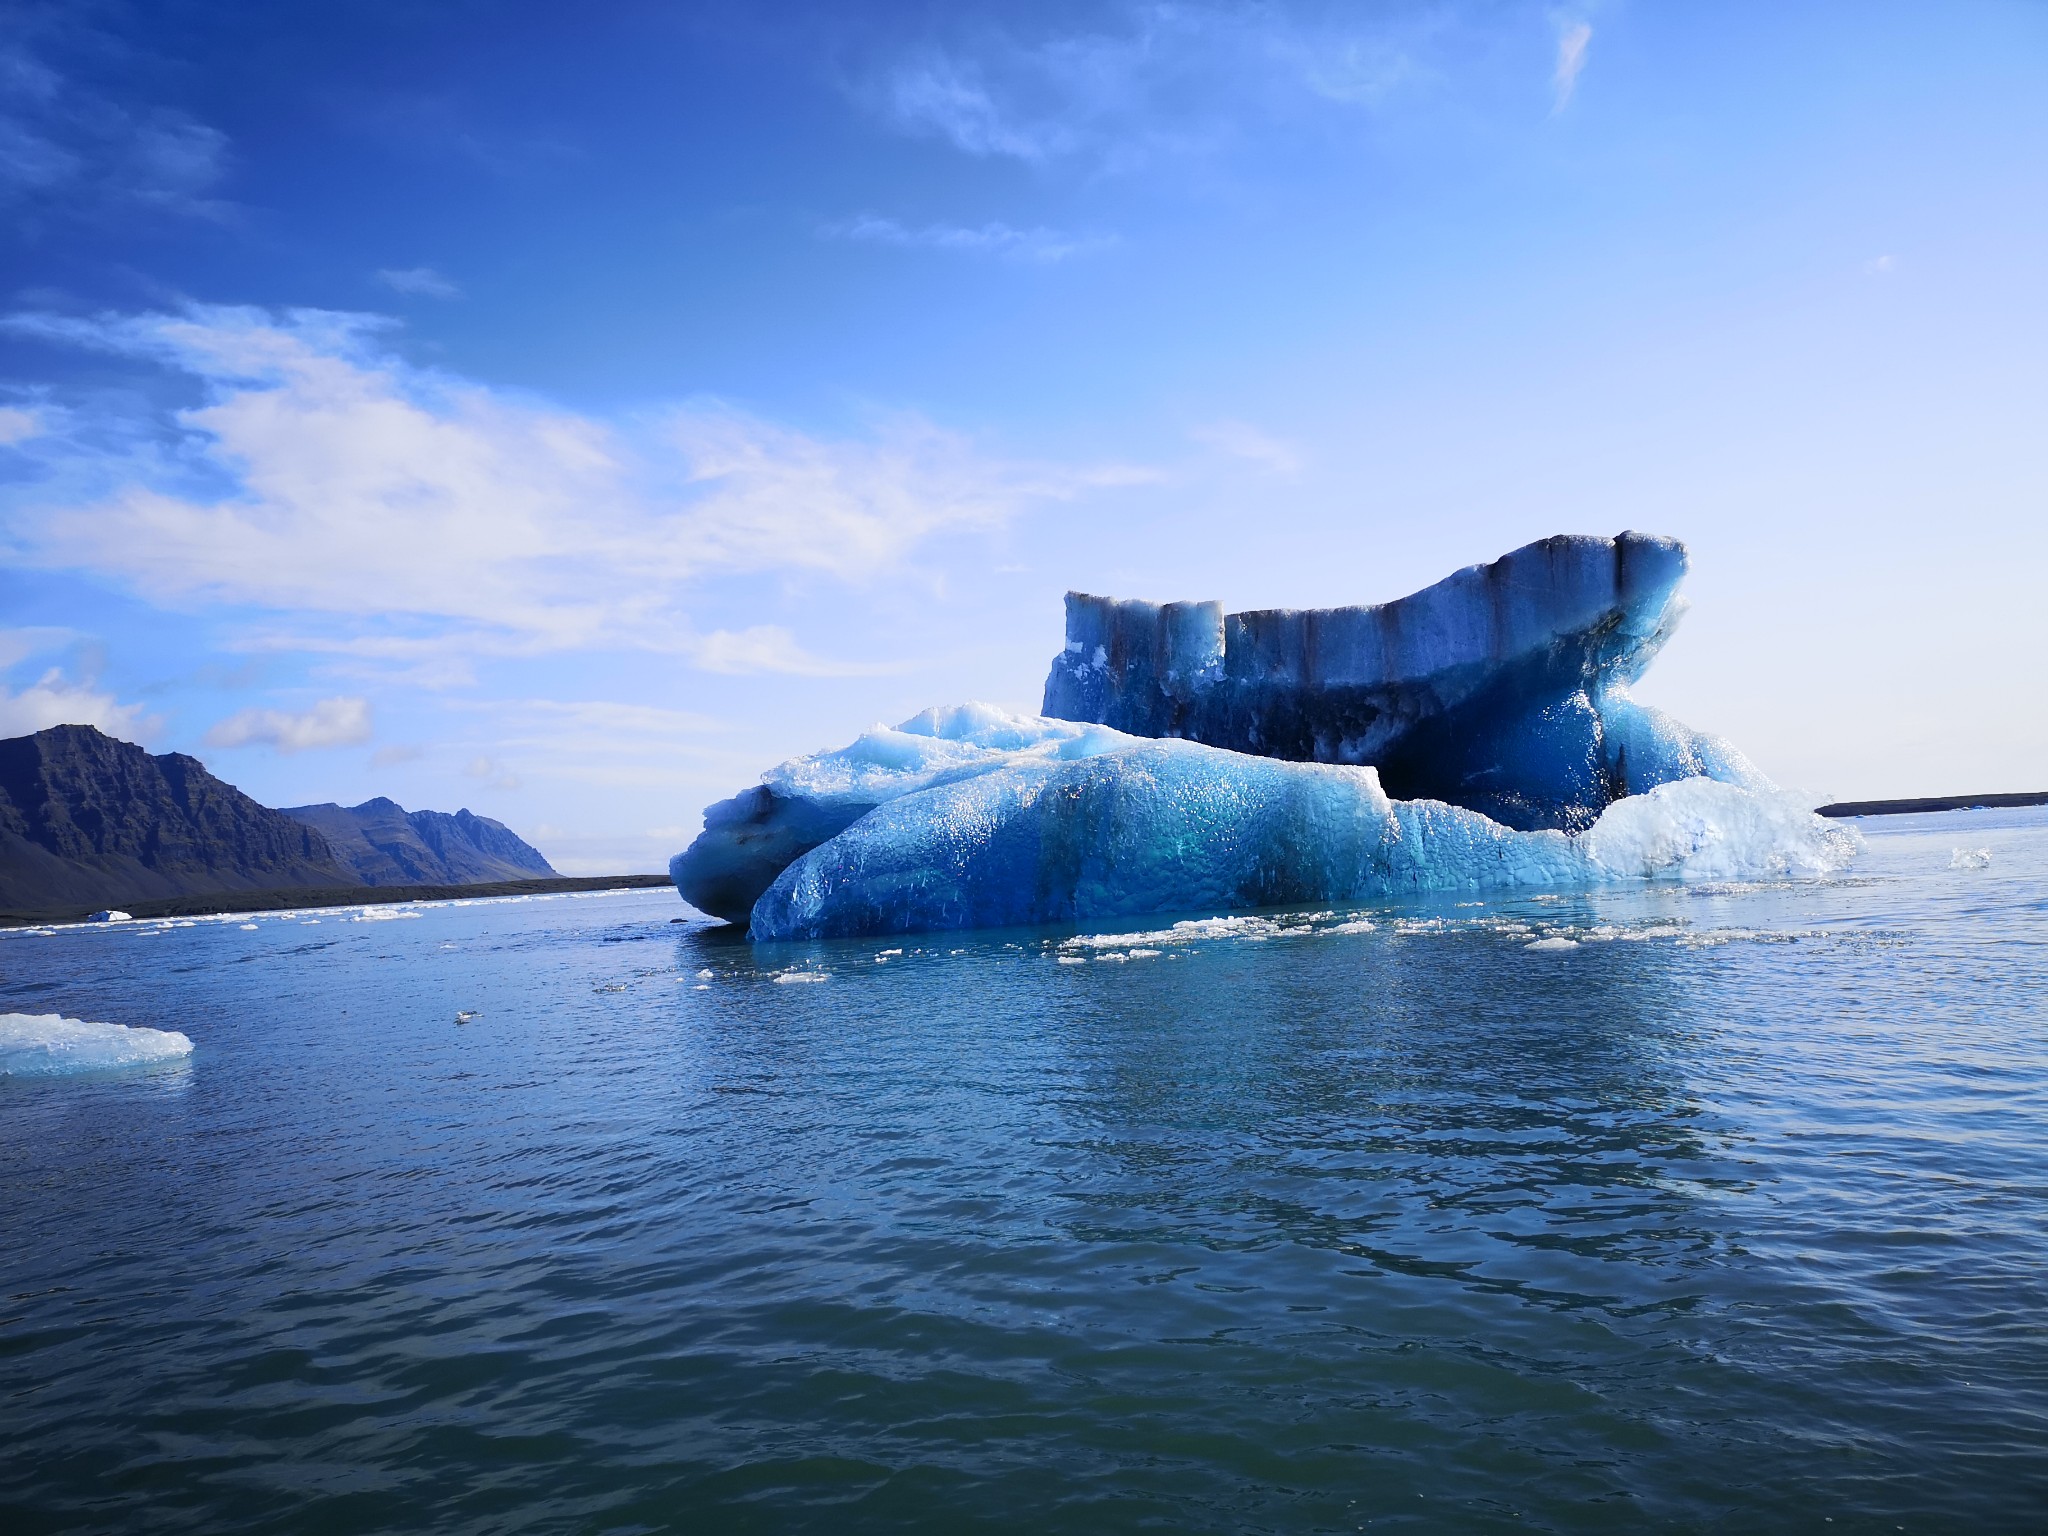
<point>50,1045</point>
<point>1970,858</point>
<point>248,927</point>
<point>705,974</point>
<point>609,986</point>
<point>792,976</point>
<point>1192,931</point>
<point>1356,925</point>
<point>467,1016</point>
<point>111,916</point>
<point>1073,959</point>
<point>883,957</point>
<point>1552,946</point>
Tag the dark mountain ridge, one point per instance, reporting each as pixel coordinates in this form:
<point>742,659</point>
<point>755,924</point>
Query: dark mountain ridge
<point>385,844</point>
<point>86,820</point>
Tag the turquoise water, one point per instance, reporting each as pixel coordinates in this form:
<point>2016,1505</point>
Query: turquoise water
<point>1732,1218</point>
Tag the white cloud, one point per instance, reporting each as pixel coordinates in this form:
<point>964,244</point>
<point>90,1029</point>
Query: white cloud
<point>325,475</point>
<point>64,144</point>
<point>419,282</point>
<point>1881,266</point>
<point>337,722</point>
<point>770,648</point>
<point>995,239</point>
<point>1572,38</point>
<point>55,700</point>
<point>1241,440</point>
<point>18,425</point>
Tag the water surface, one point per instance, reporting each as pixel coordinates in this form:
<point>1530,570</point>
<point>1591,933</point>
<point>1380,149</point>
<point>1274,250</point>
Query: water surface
<point>1734,1217</point>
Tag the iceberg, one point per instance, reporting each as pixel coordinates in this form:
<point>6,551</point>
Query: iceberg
<point>1476,735</point>
<point>1503,688</point>
<point>50,1045</point>
<point>1175,826</point>
<point>751,838</point>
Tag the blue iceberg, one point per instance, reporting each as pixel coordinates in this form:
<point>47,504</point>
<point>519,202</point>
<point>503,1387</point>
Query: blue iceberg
<point>1503,688</point>
<point>1496,701</point>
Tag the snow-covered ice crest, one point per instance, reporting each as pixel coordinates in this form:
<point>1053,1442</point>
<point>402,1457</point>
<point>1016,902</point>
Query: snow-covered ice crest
<point>50,1045</point>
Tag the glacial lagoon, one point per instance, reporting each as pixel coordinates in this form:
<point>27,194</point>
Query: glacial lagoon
<point>1669,1207</point>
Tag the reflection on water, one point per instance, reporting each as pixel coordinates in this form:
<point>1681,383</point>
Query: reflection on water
<point>1728,1217</point>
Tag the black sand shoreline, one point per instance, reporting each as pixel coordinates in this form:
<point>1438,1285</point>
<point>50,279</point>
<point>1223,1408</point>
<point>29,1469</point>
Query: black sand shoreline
<point>1932,803</point>
<point>338,896</point>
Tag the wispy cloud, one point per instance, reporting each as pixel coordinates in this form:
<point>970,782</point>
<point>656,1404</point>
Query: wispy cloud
<point>18,425</point>
<point>1153,80</point>
<point>1572,40</point>
<point>337,722</point>
<point>1241,440</point>
<point>771,648</point>
<point>993,239</point>
<point>66,147</point>
<point>326,475</point>
<point>946,97</point>
<point>418,282</point>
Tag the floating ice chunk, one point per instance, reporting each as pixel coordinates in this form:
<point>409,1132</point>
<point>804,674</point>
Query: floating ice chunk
<point>795,976</point>
<point>1970,858</point>
<point>1700,829</point>
<point>751,838</point>
<point>1186,932</point>
<point>1356,925</point>
<point>50,1045</point>
<point>111,916</point>
<point>1552,946</point>
<point>1155,826</point>
<point>248,927</point>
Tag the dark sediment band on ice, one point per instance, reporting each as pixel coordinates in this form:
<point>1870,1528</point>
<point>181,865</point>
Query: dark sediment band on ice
<point>1502,688</point>
<point>1845,808</point>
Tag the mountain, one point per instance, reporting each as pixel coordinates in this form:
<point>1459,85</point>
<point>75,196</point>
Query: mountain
<point>382,843</point>
<point>86,820</point>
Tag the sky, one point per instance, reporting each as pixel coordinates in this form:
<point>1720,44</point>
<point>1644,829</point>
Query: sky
<point>568,412</point>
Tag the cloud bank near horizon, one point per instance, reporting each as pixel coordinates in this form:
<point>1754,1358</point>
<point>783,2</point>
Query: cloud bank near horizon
<point>325,474</point>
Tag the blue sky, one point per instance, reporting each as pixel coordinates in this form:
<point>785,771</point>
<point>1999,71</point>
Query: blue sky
<point>568,411</point>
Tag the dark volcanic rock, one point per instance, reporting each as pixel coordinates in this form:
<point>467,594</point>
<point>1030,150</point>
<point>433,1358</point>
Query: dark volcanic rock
<point>86,819</point>
<point>385,844</point>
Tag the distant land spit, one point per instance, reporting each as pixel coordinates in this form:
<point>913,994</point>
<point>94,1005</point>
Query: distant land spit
<point>1932,803</point>
<point>296,899</point>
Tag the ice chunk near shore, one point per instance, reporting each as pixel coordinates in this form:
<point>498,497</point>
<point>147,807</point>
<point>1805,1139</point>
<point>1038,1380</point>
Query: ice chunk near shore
<point>50,1045</point>
<point>751,838</point>
<point>1166,825</point>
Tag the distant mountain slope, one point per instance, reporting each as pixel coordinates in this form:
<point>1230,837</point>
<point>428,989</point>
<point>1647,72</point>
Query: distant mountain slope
<point>383,843</point>
<point>86,820</point>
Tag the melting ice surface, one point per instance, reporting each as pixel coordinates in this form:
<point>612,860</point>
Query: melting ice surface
<point>973,817</point>
<point>50,1045</point>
